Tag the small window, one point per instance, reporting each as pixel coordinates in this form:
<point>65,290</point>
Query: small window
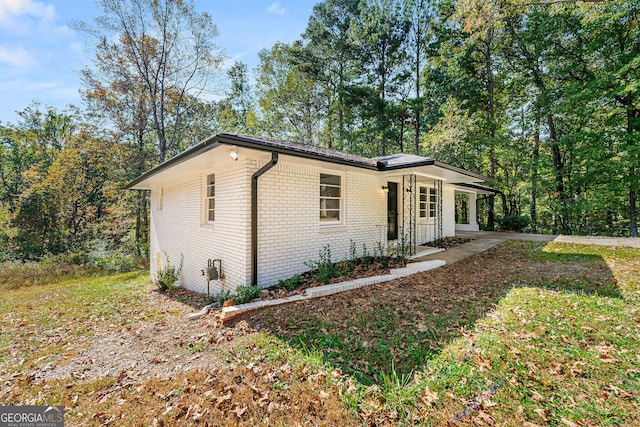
<point>428,202</point>
<point>330,197</point>
<point>433,199</point>
<point>423,202</point>
<point>210,200</point>
<point>161,199</point>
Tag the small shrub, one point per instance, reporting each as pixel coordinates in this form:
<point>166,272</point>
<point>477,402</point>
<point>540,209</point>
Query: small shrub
<point>402,249</point>
<point>325,269</point>
<point>221,297</point>
<point>245,294</point>
<point>291,283</point>
<point>168,274</point>
<point>383,258</point>
<point>366,256</point>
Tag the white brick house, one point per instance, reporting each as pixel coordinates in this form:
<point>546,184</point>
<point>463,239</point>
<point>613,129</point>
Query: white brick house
<point>265,207</point>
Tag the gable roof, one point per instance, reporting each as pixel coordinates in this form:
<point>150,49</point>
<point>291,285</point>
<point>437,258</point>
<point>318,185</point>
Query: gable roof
<point>298,149</point>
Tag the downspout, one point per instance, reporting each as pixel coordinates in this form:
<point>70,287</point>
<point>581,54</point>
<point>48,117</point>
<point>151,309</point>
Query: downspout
<point>254,216</point>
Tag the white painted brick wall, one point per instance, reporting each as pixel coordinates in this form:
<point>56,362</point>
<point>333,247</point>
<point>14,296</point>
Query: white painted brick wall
<point>180,228</point>
<point>290,231</point>
<point>289,228</point>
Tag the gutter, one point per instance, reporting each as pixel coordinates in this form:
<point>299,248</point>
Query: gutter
<point>254,215</point>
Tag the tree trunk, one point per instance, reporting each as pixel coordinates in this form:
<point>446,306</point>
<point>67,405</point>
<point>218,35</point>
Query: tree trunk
<point>633,126</point>
<point>535,158</point>
<point>417,71</point>
<point>491,119</point>
<point>633,225</point>
<point>558,169</point>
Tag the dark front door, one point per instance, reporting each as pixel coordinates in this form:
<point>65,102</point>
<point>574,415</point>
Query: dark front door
<point>392,211</point>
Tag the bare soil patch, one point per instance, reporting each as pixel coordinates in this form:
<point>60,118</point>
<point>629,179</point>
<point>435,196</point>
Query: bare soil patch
<point>167,344</point>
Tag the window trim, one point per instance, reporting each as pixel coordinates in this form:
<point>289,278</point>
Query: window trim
<point>423,206</point>
<point>433,205</point>
<point>430,208</point>
<point>207,198</point>
<point>341,199</point>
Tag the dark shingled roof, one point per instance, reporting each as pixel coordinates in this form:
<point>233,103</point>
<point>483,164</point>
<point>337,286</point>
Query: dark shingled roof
<point>299,148</point>
<point>401,160</point>
<point>396,161</point>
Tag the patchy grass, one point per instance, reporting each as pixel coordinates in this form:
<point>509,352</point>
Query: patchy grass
<point>44,320</point>
<point>523,334</point>
<point>372,331</point>
<point>258,380</point>
<point>520,333</point>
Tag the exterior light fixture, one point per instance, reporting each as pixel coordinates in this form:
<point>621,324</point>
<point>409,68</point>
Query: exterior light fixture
<point>385,188</point>
<point>233,154</point>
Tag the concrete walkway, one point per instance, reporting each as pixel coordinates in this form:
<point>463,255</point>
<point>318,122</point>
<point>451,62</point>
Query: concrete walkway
<point>482,240</point>
<point>633,242</point>
<point>504,235</point>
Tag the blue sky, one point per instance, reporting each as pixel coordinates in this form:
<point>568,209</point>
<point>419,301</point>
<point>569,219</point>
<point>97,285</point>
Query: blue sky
<point>41,55</point>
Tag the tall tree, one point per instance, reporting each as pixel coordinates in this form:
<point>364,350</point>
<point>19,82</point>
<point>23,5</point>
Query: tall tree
<point>291,100</point>
<point>329,57</point>
<point>614,31</point>
<point>169,47</point>
<point>237,110</point>
<point>381,35</point>
<point>420,14</point>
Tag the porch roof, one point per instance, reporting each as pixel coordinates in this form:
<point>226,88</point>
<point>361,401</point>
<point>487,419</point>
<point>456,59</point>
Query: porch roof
<point>481,189</point>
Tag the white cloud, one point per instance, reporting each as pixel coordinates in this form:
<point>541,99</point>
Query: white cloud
<point>16,56</point>
<point>275,9</point>
<point>15,8</point>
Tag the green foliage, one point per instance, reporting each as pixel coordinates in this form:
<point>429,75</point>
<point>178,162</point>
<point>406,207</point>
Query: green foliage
<point>325,269</point>
<point>513,222</point>
<point>291,283</point>
<point>167,274</point>
<point>222,296</point>
<point>246,293</point>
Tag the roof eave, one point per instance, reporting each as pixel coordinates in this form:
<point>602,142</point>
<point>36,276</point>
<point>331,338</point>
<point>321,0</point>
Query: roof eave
<point>201,147</point>
<point>484,188</point>
<point>241,141</point>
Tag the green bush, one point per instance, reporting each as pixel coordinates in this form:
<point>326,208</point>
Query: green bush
<point>221,297</point>
<point>324,268</point>
<point>513,222</point>
<point>245,294</point>
<point>291,283</point>
<point>167,274</point>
